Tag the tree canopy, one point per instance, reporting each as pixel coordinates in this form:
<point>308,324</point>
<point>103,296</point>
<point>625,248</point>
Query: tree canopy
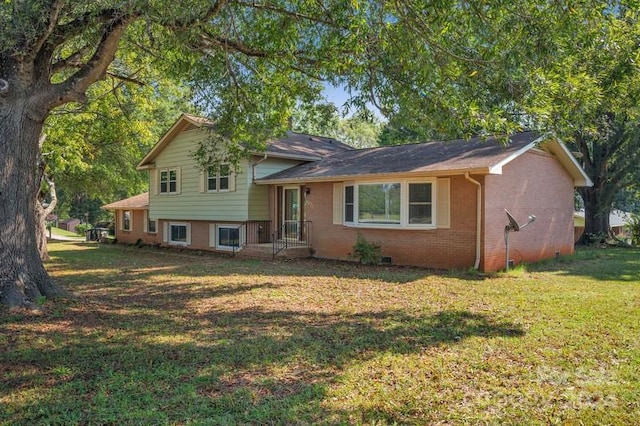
<point>437,67</point>
<point>92,149</point>
<point>360,130</point>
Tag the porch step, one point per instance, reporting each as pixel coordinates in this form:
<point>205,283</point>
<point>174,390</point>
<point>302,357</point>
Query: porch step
<point>265,251</point>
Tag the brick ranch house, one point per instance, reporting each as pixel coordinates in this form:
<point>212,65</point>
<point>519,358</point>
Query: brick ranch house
<point>439,204</point>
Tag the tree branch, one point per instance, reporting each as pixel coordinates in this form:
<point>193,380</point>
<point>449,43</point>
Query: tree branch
<point>72,61</point>
<point>54,14</point>
<point>53,196</point>
<point>208,14</point>
<point>125,78</point>
<point>76,27</point>
<point>74,88</point>
<point>232,45</point>
<point>285,12</point>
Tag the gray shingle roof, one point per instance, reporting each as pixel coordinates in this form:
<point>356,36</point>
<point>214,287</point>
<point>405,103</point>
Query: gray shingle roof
<point>305,146</point>
<point>476,154</point>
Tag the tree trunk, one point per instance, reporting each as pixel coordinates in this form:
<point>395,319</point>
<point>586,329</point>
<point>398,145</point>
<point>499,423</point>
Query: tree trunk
<point>41,232</point>
<point>23,278</point>
<point>42,212</point>
<point>597,207</point>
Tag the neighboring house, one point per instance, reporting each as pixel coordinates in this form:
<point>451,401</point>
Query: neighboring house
<point>69,224</point>
<point>439,205</point>
<point>619,223</point>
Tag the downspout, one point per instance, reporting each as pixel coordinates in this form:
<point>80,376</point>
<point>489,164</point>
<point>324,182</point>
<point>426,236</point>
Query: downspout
<point>476,265</point>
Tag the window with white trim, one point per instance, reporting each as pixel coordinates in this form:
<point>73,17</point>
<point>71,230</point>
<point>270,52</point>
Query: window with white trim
<point>379,203</point>
<point>126,220</point>
<point>179,233</point>
<point>348,204</point>
<point>150,225</point>
<point>225,236</point>
<point>394,204</point>
<point>168,181</point>
<point>218,178</point>
<point>420,203</point>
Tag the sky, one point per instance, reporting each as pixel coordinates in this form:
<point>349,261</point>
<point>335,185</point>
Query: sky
<point>338,96</point>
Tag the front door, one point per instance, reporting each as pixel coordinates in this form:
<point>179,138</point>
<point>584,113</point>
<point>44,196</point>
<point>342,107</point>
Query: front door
<point>291,212</point>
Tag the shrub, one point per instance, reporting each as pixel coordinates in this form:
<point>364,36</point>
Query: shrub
<point>369,253</point>
<point>82,228</point>
<point>595,238</point>
<point>634,225</point>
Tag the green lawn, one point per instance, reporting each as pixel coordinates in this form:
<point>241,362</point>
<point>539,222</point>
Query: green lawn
<point>158,337</point>
<point>64,232</point>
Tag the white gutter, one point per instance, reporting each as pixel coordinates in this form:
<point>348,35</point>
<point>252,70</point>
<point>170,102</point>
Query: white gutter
<point>476,265</point>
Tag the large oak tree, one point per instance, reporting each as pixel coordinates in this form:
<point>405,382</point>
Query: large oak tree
<point>246,57</point>
<point>575,71</point>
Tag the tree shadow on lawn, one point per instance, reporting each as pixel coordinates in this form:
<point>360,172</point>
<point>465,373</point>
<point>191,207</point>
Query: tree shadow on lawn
<point>221,366</point>
<point>130,260</point>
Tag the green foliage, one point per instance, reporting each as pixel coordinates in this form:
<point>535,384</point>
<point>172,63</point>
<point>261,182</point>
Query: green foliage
<point>635,229</point>
<point>369,253</point>
<point>319,118</point>
<point>92,150</point>
<point>82,228</point>
<point>361,130</point>
<point>591,238</point>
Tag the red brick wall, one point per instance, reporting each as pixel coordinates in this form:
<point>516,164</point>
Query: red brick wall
<point>136,233</point>
<point>438,248</point>
<point>534,183</point>
<point>199,233</point>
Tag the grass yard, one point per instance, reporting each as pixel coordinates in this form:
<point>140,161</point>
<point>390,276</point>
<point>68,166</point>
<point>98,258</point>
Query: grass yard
<point>158,337</point>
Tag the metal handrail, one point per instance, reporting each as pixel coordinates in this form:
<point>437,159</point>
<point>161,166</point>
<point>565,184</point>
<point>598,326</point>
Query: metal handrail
<point>253,232</point>
<point>291,234</point>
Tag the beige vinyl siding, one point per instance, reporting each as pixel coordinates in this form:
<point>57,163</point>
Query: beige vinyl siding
<point>272,165</point>
<point>153,182</point>
<point>190,203</point>
<point>258,202</point>
<point>259,194</point>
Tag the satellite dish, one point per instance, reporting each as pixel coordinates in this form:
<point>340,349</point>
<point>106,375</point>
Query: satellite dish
<point>513,226</point>
<point>513,223</point>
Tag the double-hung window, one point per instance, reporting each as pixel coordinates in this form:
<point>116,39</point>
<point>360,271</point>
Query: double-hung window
<point>349,204</point>
<point>399,204</point>
<point>168,181</point>
<point>218,178</point>
<point>420,204</point>
<point>150,225</point>
<point>126,220</point>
